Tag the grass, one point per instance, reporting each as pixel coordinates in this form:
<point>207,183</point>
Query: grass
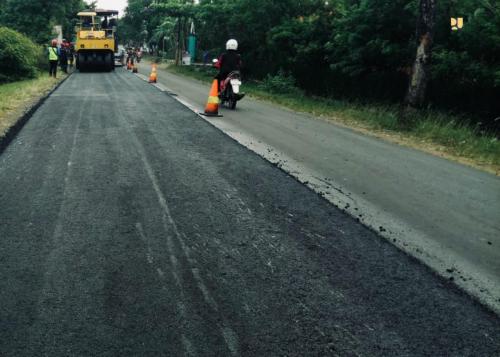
<point>436,132</point>
<point>18,96</point>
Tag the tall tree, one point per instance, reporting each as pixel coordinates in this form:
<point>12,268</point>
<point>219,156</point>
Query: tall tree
<point>36,18</point>
<point>421,67</point>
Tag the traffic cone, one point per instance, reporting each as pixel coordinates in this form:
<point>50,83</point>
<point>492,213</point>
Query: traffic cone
<point>134,69</point>
<point>129,64</point>
<point>153,75</point>
<point>212,107</point>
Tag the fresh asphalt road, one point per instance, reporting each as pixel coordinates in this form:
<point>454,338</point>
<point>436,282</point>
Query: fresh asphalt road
<point>443,213</point>
<point>131,227</point>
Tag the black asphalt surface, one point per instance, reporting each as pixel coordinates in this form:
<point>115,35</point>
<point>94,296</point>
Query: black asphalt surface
<point>131,227</point>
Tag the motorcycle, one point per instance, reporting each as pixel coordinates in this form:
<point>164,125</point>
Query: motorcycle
<point>230,89</point>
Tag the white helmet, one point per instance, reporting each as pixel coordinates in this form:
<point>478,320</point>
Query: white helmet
<point>232,44</point>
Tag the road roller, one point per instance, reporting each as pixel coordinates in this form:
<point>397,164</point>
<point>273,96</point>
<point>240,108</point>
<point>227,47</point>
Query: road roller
<point>96,40</point>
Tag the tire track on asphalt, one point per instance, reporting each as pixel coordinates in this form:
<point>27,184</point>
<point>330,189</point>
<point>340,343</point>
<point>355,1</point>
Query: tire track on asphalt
<point>151,256</point>
<point>38,156</point>
<point>228,334</point>
<point>244,217</point>
<point>187,344</point>
<point>50,289</point>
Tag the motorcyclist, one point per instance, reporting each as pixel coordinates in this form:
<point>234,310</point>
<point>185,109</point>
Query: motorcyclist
<point>229,61</point>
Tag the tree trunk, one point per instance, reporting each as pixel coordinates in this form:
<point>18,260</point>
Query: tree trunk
<point>420,71</point>
<point>178,54</point>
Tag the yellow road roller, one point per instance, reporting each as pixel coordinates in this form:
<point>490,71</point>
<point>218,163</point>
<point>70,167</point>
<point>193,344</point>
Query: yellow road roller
<point>96,40</point>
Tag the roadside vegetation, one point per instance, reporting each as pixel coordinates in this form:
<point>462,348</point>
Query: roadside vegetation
<point>36,18</point>
<point>23,77</point>
<point>18,96</point>
<point>26,28</point>
<point>434,131</point>
<point>20,57</point>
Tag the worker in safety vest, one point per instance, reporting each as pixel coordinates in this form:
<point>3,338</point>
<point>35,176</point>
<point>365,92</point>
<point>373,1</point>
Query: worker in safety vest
<point>53,58</point>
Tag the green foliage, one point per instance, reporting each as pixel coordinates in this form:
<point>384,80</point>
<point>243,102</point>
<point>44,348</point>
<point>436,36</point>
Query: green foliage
<point>466,63</point>
<point>138,24</point>
<point>36,18</point>
<point>371,45</point>
<point>19,56</point>
<point>281,83</point>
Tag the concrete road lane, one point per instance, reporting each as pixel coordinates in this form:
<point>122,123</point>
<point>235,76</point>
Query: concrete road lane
<point>131,227</point>
<point>443,213</point>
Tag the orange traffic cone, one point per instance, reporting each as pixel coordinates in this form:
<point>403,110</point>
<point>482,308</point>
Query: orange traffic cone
<point>129,64</point>
<point>212,107</point>
<point>153,75</point>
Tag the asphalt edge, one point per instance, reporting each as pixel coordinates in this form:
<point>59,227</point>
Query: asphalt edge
<point>473,294</point>
<point>12,132</point>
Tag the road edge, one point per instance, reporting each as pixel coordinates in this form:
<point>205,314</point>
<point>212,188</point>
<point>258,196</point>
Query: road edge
<point>12,132</point>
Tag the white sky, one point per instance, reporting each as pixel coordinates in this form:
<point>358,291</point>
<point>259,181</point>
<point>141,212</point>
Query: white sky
<point>119,5</point>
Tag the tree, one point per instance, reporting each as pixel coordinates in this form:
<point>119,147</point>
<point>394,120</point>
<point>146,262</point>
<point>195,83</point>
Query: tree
<point>420,71</point>
<point>181,12</point>
<point>36,18</point>
<point>369,49</point>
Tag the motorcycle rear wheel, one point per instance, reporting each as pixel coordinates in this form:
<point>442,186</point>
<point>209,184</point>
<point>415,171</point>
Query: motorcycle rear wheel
<point>231,100</point>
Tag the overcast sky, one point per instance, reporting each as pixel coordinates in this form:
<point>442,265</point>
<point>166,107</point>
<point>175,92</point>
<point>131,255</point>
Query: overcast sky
<point>119,5</point>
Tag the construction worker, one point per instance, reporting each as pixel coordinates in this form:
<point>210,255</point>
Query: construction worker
<point>63,58</point>
<point>228,61</point>
<point>71,55</point>
<point>53,58</point>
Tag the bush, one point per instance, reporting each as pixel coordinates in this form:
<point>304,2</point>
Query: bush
<point>281,83</point>
<point>19,56</point>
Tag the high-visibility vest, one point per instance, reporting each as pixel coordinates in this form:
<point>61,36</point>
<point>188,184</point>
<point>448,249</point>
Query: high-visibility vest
<point>53,54</point>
